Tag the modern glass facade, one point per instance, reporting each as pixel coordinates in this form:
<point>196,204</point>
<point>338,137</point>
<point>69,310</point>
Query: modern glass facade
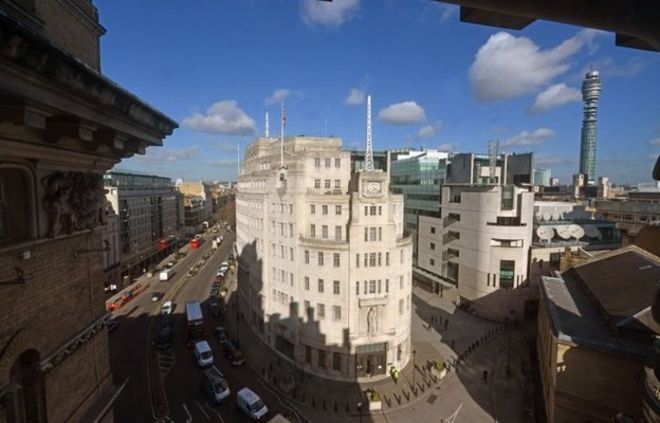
<point>419,178</point>
<point>542,177</point>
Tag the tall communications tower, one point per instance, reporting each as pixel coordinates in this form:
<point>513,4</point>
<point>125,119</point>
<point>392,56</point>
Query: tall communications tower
<point>369,153</point>
<point>591,88</point>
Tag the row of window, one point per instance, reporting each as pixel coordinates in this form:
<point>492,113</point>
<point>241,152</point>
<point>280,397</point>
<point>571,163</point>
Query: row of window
<point>372,259</point>
<point>282,252</point>
<point>281,208</point>
<point>327,183</point>
<point>327,161</point>
<point>324,232</point>
<point>321,286</point>
<point>320,311</point>
<point>373,234</point>
<point>280,275</point>
<point>324,209</point>
<point>280,228</point>
<point>322,358</point>
<point>373,210</point>
<point>320,256</point>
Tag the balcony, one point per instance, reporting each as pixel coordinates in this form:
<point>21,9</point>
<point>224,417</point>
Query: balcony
<point>451,218</point>
<point>507,221</point>
<point>450,254</point>
<point>451,236</point>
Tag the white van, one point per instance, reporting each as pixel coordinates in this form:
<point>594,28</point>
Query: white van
<point>166,274</point>
<point>203,354</point>
<point>250,404</point>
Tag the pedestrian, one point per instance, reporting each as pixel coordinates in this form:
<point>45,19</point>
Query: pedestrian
<point>485,376</point>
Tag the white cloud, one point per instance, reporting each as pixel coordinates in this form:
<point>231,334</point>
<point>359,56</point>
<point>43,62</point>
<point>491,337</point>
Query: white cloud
<point>655,142</point>
<point>403,113</point>
<point>507,66</point>
<point>429,130</point>
<point>163,154</point>
<point>223,117</point>
<point>530,138</point>
<point>330,14</point>
<point>555,96</point>
<point>447,147</point>
<point>608,68</point>
<point>279,95</point>
<point>355,97</point>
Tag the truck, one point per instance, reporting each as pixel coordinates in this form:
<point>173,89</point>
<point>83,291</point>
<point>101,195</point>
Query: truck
<point>194,322</point>
<point>166,274</point>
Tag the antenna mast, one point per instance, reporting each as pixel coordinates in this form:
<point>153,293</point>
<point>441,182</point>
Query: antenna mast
<point>369,154</point>
<point>266,131</point>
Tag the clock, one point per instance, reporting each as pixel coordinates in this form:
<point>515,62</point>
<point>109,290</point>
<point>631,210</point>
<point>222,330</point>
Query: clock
<point>373,187</point>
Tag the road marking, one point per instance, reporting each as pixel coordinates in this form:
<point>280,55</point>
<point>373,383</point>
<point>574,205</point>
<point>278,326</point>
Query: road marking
<point>216,412</point>
<point>202,408</point>
<point>189,419</point>
<point>297,414</point>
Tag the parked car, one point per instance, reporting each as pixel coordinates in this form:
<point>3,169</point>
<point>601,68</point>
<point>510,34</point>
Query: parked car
<point>166,274</point>
<point>234,355</point>
<point>165,320</point>
<point>215,385</point>
<point>250,404</point>
<point>167,308</point>
<point>111,324</point>
<point>221,333</point>
<point>203,354</point>
<point>156,296</point>
<point>165,338</point>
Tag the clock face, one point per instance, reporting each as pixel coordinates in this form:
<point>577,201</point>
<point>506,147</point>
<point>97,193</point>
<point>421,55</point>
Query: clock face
<point>373,187</point>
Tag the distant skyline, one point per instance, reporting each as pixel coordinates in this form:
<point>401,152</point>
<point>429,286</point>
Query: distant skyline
<point>217,67</point>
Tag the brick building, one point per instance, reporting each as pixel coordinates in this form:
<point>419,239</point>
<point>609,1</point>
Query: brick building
<point>62,124</point>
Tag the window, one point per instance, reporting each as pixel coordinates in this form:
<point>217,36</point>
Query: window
<point>322,359</point>
<point>379,286</point>
<point>401,282</point>
<point>366,257</point>
<point>432,245</point>
<point>320,311</point>
<point>372,234</point>
<point>312,208</point>
<point>372,286</point>
<point>312,230</point>
<point>306,283</point>
<point>338,233</point>
<point>387,286</point>
<point>320,257</point>
<point>372,259</point>
<point>335,287</point>
<point>291,253</point>
<point>432,229</point>
<point>366,210</point>
<point>432,262</point>
<point>317,162</point>
<point>335,259</point>
<point>306,256</point>
<point>291,230</point>
<point>337,209</point>
<point>366,285</point>
<point>366,234</point>
<point>380,233</point>
<point>507,273</point>
<point>327,183</point>
<point>379,257</point>
<point>320,286</point>
<point>328,162</point>
<point>401,306</point>
<point>336,357</point>
<point>309,310</point>
<point>357,260</point>
<point>372,210</point>
<point>507,197</point>
<point>290,208</point>
<point>337,162</point>
<point>401,254</point>
<point>324,231</point>
<point>357,287</point>
<point>324,209</point>
<point>317,183</point>
<point>387,259</point>
<point>337,184</point>
<point>308,354</point>
<point>336,312</point>
<point>380,210</point>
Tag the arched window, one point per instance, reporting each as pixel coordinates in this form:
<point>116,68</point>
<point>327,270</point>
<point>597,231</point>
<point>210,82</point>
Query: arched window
<point>16,204</point>
<point>25,400</point>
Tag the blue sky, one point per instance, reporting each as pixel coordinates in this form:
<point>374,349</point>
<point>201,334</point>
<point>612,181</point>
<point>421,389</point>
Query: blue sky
<point>435,82</point>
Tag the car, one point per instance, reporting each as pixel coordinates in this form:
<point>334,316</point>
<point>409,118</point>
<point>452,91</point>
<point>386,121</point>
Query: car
<point>165,338</point>
<point>167,308</point>
<point>165,320</point>
<point>221,333</point>
<point>250,404</point>
<point>111,324</point>
<point>216,285</point>
<point>215,385</point>
<point>214,291</point>
<point>156,296</point>
<point>203,354</point>
<point>170,264</point>
<point>234,355</point>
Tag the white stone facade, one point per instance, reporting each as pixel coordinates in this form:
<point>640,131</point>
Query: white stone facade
<point>325,266</point>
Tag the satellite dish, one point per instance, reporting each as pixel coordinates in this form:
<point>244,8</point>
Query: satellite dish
<point>545,233</point>
<point>591,231</point>
<point>563,231</point>
<point>576,231</point>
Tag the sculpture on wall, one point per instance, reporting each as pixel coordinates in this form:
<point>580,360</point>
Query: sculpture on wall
<point>371,320</point>
<point>73,201</point>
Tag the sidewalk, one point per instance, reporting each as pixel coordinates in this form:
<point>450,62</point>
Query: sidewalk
<point>477,345</point>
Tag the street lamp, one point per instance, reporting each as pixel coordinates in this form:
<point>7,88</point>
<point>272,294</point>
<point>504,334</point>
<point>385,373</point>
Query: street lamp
<point>414,367</point>
<point>359,407</point>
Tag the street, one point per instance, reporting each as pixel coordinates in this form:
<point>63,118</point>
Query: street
<point>171,392</point>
